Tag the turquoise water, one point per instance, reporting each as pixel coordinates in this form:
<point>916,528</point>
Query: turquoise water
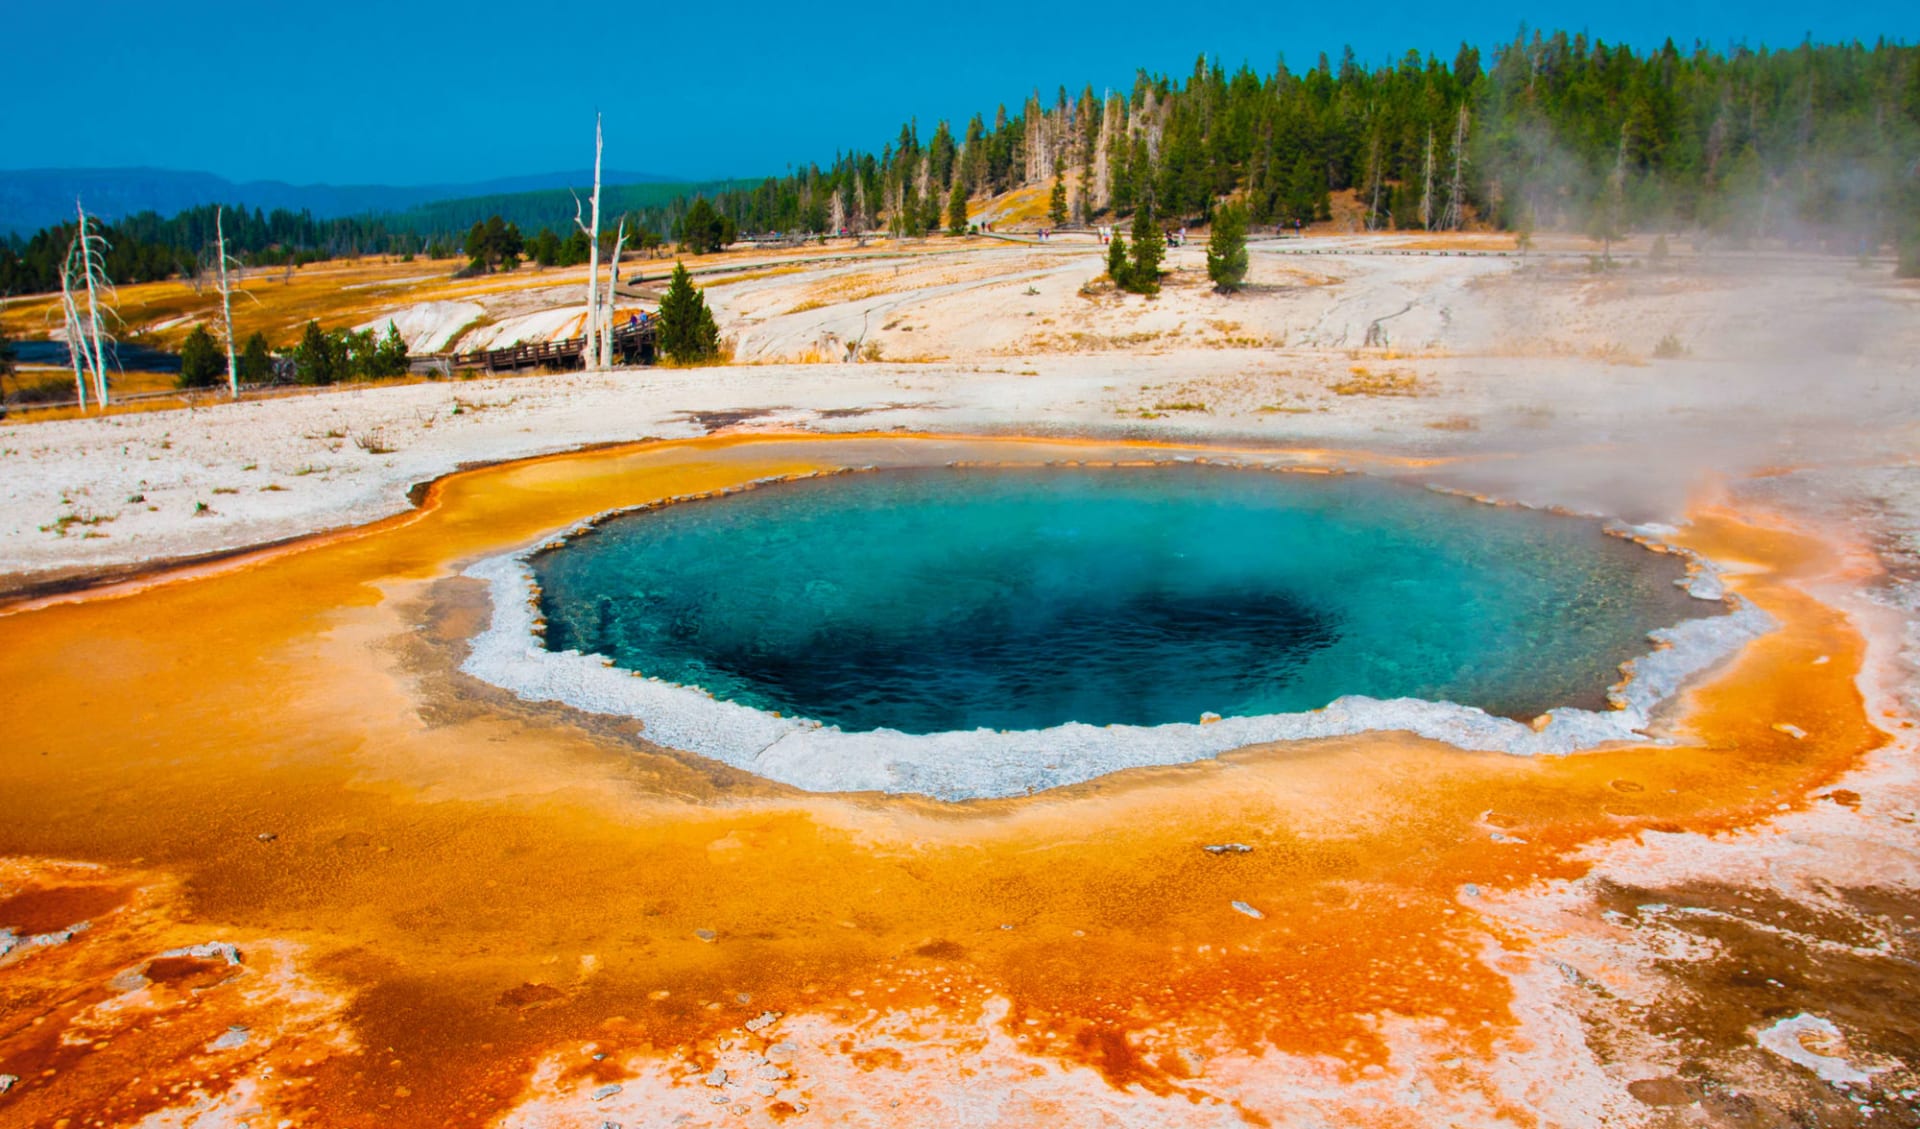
<point>933,600</point>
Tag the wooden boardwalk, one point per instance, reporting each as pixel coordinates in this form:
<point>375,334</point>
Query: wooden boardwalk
<point>631,343</point>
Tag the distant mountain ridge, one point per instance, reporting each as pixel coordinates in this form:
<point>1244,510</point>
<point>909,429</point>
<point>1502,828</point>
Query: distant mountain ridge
<point>31,199</point>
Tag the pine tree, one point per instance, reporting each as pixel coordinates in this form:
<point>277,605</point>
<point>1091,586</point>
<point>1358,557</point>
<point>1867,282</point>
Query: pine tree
<point>688,334</point>
<point>907,223</point>
<point>200,361</point>
<point>957,207</point>
<point>390,356</point>
<point>317,360</point>
<point>1307,192</point>
<point>703,229</point>
<point>1057,205</point>
<point>1227,249</point>
<point>1149,247</point>
<point>1117,261</point>
<point>1607,220</point>
<point>256,362</point>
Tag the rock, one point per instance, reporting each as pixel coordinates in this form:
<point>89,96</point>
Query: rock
<point>236,1036</point>
<point>1249,911</point>
<point>780,1052</point>
<point>1227,849</point>
<point>208,951</point>
<point>763,1020</point>
<point>1790,730</point>
<point>7,1082</point>
<point>1815,1043</point>
<point>771,1073</point>
<point>706,935</point>
<point>765,1089</point>
<point>606,1091</point>
<point>1209,718</point>
<point>12,942</point>
<point>1470,890</point>
<point>718,1077</point>
<point>266,836</point>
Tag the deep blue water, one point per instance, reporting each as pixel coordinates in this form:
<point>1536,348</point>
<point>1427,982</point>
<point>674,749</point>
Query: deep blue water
<point>1012,599</point>
<point>123,356</point>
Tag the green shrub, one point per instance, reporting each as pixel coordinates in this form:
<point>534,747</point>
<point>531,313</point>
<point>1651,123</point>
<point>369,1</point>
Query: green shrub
<point>200,360</point>
<point>1909,264</point>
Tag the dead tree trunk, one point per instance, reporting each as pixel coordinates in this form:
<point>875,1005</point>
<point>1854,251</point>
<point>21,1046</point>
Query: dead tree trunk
<point>1373,175</point>
<point>589,354</point>
<point>226,303</point>
<point>1455,217</point>
<point>1426,186</point>
<point>76,344</point>
<point>93,267</point>
<point>613,278</point>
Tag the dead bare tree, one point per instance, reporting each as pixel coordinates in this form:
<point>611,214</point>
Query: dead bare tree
<point>613,279</point>
<point>1373,176</point>
<point>588,353</point>
<point>226,303</point>
<point>76,349</point>
<point>89,250</point>
<point>1455,217</point>
<point>1426,186</point>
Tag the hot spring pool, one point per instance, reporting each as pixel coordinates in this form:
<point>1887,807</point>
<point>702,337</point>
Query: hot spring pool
<point>929,601</point>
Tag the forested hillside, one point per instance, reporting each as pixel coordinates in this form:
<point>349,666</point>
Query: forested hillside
<point>33,198</point>
<point>146,247</point>
<point>1818,145</point>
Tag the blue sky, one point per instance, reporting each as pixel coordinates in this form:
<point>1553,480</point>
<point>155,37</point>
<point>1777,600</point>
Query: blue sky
<point>353,91</point>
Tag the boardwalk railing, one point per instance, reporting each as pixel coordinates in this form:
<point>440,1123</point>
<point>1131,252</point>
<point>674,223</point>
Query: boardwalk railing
<point>630,343</point>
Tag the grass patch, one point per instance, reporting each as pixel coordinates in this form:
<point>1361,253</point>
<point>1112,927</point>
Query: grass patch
<point>66,523</point>
<point>374,442</point>
<point>1362,381</point>
<point>1670,348</point>
<point>50,390</point>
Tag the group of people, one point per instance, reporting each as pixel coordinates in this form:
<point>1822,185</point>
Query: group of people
<point>1173,237</point>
